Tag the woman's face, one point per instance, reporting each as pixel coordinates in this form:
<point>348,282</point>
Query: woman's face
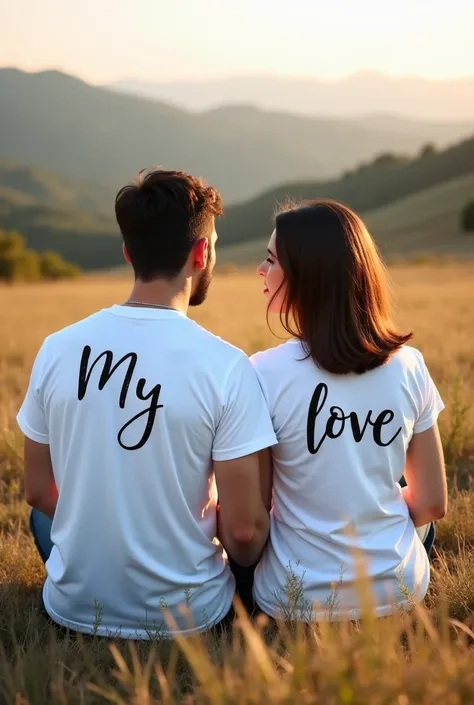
<point>273,277</point>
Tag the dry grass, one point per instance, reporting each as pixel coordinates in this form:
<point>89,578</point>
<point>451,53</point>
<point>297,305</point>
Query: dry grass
<point>402,660</point>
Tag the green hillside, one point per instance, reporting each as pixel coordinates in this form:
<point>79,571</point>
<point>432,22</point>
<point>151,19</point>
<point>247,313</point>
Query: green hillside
<point>427,222</point>
<point>92,134</point>
<point>25,185</point>
<point>53,213</point>
<point>88,240</point>
<point>386,180</point>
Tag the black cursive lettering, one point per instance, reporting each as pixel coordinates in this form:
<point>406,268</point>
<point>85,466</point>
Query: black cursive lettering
<point>317,402</point>
<point>384,418</point>
<point>107,371</point>
<point>336,423</point>
<point>154,394</point>
<point>357,431</point>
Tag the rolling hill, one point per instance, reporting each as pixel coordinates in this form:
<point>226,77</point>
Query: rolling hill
<point>355,96</point>
<point>56,214</point>
<point>30,185</point>
<point>372,186</point>
<point>426,223</point>
<point>91,134</point>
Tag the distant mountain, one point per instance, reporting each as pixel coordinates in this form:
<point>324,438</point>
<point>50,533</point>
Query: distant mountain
<point>356,96</point>
<point>91,134</point>
<point>387,180</point>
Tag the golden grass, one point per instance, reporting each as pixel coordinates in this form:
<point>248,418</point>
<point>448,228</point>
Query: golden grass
<point>402,660</point>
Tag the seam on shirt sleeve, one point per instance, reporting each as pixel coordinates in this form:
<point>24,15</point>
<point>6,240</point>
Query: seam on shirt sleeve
<point>430,421</point>
<point>246,449</point>
<point>29,432</point>
<point>230,371</point>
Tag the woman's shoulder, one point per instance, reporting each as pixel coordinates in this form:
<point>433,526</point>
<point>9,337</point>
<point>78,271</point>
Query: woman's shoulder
<point>279,355</point>
<point>409,363</point>
<point>407,356</point>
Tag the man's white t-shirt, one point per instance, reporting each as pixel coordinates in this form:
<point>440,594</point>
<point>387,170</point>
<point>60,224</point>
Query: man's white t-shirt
<point>135,403</point>
<point>342,442</point>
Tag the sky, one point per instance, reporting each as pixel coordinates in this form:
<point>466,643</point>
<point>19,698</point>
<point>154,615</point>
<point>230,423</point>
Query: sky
<point>104,41</point>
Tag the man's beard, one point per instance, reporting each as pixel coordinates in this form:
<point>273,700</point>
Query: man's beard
<point>200,292</point>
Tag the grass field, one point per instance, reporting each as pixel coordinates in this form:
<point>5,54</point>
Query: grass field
<point>427,222</point>
<point>415,659</point>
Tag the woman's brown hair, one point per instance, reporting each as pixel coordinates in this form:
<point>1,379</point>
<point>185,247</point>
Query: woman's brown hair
<point>336,299</point>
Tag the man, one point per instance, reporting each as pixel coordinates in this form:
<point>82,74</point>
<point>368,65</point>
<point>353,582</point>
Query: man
<point>131,419</point>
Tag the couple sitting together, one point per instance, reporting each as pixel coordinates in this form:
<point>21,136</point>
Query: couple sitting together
<point>166,470</point>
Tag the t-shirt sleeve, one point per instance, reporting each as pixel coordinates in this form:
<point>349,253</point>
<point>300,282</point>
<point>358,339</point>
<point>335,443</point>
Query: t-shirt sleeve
<point>31,417</point>
<point>245,425</point>
<point>431,403</point>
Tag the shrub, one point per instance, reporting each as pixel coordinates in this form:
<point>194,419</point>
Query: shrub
<point>53,267</point>
<point>467,218</point>
<point>27,266</point>
<point>428,150</point>
<point>20,264</point>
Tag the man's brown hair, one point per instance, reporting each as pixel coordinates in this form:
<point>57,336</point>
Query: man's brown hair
<point>161,216</point>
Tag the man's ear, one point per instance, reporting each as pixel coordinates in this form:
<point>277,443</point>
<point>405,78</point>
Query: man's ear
<point>201,253</point>
<point>125,254</point>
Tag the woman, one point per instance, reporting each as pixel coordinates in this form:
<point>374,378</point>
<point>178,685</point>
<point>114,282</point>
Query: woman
<point>354,409</point>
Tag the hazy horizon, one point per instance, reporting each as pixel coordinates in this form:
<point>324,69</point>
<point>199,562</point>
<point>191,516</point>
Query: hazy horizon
<point>156,42</point>
<point>245,76</point>
<point>287,77</point>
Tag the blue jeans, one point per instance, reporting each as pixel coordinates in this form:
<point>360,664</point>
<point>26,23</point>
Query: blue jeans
<point>40,527</point>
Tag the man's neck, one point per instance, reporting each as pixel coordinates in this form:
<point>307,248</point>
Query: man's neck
<point>161,293</point>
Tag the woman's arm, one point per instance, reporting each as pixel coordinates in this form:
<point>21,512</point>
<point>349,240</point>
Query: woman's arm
<point>426,493</point>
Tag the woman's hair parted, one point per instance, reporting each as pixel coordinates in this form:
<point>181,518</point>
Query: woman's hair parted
<point>337,301</point>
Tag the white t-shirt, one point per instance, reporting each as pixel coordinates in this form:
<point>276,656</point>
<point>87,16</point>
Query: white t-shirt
<point>336,483</point>
<point>134,404</point>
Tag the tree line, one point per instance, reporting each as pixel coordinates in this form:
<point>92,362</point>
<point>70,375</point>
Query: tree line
<point>19,263</point>
<point>467,218</point>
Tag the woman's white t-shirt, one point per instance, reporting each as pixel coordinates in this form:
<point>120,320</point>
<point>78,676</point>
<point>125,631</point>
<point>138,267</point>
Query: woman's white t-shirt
<point>342,442</point>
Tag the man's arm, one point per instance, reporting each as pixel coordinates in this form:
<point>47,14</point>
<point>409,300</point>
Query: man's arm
<point>244,429</point>
<point>243,521</point>
<point>40,487</point>
<point>265,463</point>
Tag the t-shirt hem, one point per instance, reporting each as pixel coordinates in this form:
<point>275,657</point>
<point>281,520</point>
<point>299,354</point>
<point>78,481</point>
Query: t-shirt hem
<point>378,610</point>
<point>246,449</point>
<point>134,634</point>
<point>342,616</point>
<point>26,429</point>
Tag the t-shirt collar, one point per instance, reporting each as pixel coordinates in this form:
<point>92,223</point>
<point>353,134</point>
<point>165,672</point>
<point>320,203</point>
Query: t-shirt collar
<point>143,312</point>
